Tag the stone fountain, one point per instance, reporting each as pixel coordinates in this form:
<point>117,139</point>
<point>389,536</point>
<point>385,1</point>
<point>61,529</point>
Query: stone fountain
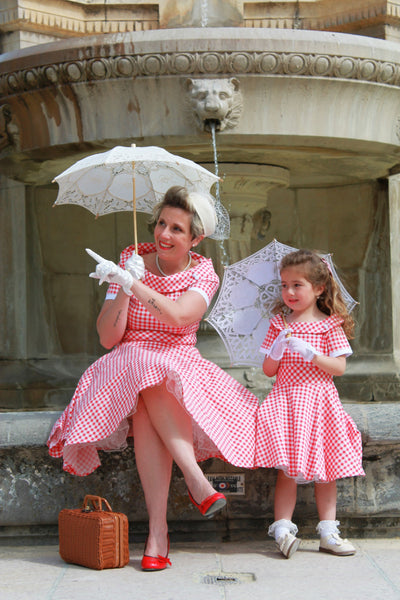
<point>307,138</point>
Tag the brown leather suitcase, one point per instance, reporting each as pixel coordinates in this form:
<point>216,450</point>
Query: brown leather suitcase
<point>93,537</point>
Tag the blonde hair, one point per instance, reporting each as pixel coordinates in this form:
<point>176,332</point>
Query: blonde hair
<point>316,270</point>
<point>178,197</point>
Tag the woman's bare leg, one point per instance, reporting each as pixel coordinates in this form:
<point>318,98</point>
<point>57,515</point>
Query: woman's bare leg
<point>154,464</point>
<point>174,427</point>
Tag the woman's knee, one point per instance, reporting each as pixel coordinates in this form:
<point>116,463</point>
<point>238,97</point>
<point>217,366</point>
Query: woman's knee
<point>155,392</point>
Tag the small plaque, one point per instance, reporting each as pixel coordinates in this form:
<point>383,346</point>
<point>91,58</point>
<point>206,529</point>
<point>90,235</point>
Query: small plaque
<point>227,483</point>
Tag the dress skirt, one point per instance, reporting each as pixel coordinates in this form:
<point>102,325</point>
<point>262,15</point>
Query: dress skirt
<point>223,412</point>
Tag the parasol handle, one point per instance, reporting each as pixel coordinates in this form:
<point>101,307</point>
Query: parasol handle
<point>288,335</point>
<point>134,208</point>
<point>134,203</point>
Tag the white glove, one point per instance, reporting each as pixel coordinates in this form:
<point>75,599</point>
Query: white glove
<point>108,271</point>
<point>135,266</point>
<point>280,344</point>
<point>302,347</point>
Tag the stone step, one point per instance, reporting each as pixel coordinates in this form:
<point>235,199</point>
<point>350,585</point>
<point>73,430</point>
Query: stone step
<point>34,487</point>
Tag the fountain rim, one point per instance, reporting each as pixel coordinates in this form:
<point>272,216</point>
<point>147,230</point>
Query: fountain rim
<point>201,52</point>
<point>195,39</point>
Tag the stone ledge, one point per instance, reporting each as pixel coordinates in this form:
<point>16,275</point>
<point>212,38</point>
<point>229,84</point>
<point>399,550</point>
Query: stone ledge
<point>26,429</point>
<point>379,424</point>
<point>34,487</point>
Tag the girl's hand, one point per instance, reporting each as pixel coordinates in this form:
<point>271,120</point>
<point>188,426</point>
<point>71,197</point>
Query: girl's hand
<point>306,350</point>
<point>279,345</point>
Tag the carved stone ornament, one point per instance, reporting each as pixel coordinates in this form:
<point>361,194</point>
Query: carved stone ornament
<point>226,64</point>
<point>216,100</point>
<point>9,129</point>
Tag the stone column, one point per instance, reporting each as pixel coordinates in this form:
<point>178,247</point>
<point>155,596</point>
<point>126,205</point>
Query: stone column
<point>244,193</point>
<point>13,317</point>
<point>394,216</point>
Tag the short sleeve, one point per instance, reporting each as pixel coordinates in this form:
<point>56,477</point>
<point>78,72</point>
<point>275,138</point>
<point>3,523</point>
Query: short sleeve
<point>272,334</point>
<point>206,287</point>
<point>337,343</point>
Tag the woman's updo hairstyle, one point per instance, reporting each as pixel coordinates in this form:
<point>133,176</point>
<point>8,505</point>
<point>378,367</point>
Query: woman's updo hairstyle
<point>177,197</point>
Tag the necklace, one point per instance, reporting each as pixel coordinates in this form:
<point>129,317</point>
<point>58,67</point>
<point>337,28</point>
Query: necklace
<point>165,274</point>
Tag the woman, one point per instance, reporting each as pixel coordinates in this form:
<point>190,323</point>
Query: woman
<point>181,407</point>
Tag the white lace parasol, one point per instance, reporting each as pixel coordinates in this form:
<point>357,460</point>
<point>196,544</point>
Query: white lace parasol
<point>249,291</point>
<point>130,178</point>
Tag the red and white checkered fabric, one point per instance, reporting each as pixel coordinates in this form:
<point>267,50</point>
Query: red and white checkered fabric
<point>302,427</point>
<point>223,411</point>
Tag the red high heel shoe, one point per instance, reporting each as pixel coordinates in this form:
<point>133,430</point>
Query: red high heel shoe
<point>211,505</point>
<point>155,563</point>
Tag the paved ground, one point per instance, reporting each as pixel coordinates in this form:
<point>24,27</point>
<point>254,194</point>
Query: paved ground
<point>208,571</point>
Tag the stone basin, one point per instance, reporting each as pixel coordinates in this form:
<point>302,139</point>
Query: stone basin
<point>323,105</point>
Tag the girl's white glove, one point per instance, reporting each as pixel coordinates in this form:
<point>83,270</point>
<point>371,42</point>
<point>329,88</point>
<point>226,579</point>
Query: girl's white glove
<point>108,271</point>
<point>302,347</point>
<point>279,345</point>
<point>135,266</point>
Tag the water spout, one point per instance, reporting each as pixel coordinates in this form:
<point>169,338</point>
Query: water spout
<point>212,124</point>
<point>204,13</point>
<point>224,258</point>
<point>216,168</point>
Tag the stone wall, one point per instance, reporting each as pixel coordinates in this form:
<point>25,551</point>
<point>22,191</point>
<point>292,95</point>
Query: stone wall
<point>53,336</point>
<point>24,24</point>
<point>33,487</point>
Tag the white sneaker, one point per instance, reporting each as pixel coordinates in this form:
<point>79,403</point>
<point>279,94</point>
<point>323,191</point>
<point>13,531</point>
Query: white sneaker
<point>288,544</point>
<point>333,544</point>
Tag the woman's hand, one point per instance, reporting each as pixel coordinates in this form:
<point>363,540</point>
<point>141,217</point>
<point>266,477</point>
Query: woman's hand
<point>135,266</point>
<point>108,271</point>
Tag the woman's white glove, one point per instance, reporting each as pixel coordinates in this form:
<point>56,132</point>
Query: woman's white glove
<point>302,347</point>
<point>280,344</point>
<point>135,266</point>
<point>108,271</point>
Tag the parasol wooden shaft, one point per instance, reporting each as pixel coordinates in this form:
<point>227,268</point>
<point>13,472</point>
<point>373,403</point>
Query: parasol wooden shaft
<point>134,208</point>
<point>288,335</point>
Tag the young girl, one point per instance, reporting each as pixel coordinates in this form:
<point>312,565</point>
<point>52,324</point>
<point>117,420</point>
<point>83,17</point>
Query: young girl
<point>303,430</point>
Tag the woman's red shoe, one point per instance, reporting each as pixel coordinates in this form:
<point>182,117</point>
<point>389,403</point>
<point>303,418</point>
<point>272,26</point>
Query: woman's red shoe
<point>211,505</point>
<point>155,563</point>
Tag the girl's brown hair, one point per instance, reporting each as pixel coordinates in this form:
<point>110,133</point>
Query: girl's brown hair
<point>316,270</point>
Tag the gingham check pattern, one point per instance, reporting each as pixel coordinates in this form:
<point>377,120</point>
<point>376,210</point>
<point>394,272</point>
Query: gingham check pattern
<point>302,427</point>
<point>223,411</point>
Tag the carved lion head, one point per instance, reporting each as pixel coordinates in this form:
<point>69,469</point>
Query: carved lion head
<point>215,100</point>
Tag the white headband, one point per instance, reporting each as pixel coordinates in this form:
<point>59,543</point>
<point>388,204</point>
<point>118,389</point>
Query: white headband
<point>204,206</point>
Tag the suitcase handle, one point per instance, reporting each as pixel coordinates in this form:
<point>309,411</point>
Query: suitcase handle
<point>96,501</point>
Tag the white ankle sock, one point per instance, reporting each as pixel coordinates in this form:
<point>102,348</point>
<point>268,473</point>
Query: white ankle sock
<point>327,527</point>
<point>280,528</point>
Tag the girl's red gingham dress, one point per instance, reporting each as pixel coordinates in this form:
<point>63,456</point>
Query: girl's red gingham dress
<point>223,411</point>
<point>302,427</point>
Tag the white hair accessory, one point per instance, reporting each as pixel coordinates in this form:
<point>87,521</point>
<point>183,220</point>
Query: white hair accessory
<point>213,216</point>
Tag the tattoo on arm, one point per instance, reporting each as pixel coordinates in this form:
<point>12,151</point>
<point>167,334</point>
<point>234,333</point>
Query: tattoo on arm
<point>154,305</point>
<point>117,318</point>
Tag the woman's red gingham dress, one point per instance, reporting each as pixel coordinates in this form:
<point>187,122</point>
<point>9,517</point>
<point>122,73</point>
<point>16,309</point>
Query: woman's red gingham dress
<point>223,411</point>
<point>302,427</point>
